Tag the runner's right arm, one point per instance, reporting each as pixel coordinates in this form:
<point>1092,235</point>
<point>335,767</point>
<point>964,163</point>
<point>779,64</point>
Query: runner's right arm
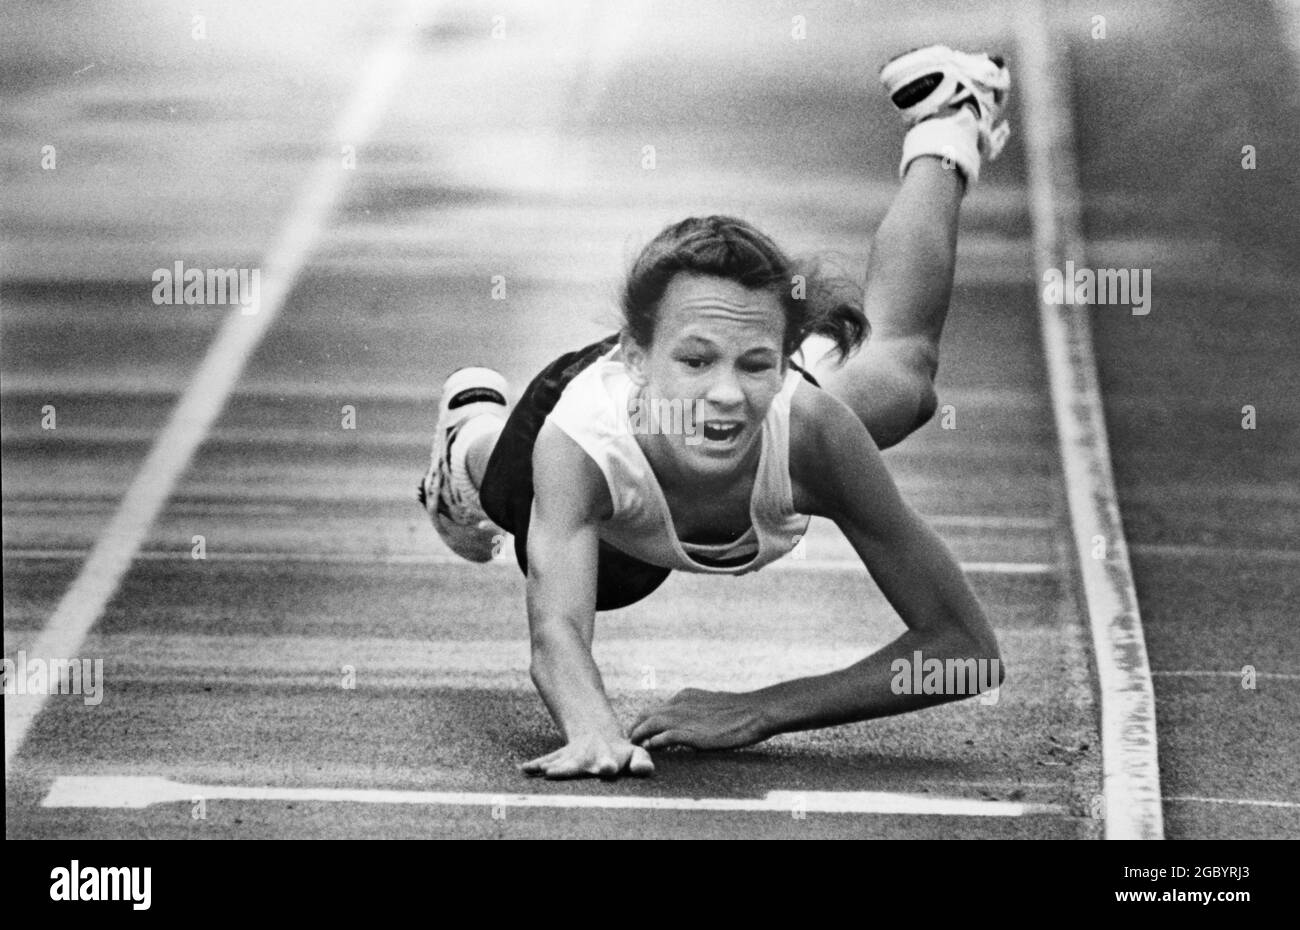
<point>563,546</point>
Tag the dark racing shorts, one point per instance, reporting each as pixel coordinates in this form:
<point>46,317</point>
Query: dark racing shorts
<point>507,490</point>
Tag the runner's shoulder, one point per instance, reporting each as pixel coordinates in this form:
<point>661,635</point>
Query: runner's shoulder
<point>563,472</point>
<point>816,418</point>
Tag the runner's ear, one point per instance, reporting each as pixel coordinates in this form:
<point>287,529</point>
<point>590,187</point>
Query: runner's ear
<point>633,358</point>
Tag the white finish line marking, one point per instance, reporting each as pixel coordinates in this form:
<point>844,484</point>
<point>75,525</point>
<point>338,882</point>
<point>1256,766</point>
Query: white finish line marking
<point>1130,771</point>
<point>136,792</point>
<point>201,404</point>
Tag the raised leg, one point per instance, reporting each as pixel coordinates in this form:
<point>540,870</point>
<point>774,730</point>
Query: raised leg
<point>890,382</point>
<point>479,446</point>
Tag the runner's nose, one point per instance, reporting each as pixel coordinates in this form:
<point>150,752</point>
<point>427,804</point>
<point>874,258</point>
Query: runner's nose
<point>724,393</point>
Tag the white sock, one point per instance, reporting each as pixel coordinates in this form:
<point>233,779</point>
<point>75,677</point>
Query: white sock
<point>471,432</point>
<point>953,138</point>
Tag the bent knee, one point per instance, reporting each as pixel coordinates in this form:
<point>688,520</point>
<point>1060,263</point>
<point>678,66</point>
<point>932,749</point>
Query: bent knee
<point>927,403</point>
<point>907,382</point>
<point>890,386</point>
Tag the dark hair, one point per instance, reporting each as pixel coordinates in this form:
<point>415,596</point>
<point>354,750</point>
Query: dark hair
<point>726,247</point>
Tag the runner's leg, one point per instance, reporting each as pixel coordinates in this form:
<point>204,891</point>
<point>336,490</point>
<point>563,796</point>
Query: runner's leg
<point>479,445</point>
<point>890,382</point>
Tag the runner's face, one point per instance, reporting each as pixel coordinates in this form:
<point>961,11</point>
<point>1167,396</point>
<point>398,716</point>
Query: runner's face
<point>717,354</point>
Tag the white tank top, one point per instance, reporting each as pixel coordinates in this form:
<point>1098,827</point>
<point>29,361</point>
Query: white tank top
<point>593,411</point>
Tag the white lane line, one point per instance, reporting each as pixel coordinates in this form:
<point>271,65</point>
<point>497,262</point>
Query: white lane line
<point>305,440</point>
<point>177,505</point>
<point>1192,551</point>
<point>289,438</point>
<point>446,557</point>
<point>1288,13</point>
<point>152,389</point>
<point>1225,673</point>
<point>105,385</point>
<point>204,398</point>
<point>1131,774</point>
<point>640,670</point>
<point>970,568</point>
<point>992,522</point>
<point>1244,802</point>
<point>137,792</point>
<point>215,500</point>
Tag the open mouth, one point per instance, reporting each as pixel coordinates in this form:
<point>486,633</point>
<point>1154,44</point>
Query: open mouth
<point>715,431</point>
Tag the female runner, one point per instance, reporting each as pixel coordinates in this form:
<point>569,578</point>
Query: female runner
<point>603,508</point>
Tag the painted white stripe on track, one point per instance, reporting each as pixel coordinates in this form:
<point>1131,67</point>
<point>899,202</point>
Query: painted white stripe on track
<point>1131,773</point>
<point>1244,802</point>
<point>1225,673</point>
<point>448,558</point>
<point>137,792</point>
<point>284,502</point>
<point>1288,14</point>
<point>142,665</point>
<point>1193,551</point>
<point>205,397</point>
<point>126,384</point>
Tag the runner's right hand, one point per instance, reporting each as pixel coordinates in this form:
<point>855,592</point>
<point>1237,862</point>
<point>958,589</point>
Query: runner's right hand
<point>593,755</point>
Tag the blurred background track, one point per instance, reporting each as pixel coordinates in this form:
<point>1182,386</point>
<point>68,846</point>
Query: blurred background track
<point>523,156</point>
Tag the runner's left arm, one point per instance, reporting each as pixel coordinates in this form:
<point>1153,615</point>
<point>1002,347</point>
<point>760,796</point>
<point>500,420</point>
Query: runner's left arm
<point>913,568</point>
<point>845,476</point>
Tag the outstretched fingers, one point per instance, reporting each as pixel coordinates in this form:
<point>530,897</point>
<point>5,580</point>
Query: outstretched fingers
<point>640,764</point>
<point>538,766</point>
<point>584,761</point>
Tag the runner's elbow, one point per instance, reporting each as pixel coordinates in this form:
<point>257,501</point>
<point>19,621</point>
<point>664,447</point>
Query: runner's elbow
<point>981,646</point>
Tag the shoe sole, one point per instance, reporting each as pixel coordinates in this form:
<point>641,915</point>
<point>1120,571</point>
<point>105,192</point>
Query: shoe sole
<point>920,75</point>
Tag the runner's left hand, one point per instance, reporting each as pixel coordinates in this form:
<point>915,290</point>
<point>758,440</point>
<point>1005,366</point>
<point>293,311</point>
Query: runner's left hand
<point>702,720</point>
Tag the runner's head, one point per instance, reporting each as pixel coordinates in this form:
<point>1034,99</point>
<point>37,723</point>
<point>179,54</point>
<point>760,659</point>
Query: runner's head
<point>730,248</point>
<point>712,311</point>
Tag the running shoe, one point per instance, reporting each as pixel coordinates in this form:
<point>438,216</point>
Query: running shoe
<point>447,492</point>
<point>936,80</point>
